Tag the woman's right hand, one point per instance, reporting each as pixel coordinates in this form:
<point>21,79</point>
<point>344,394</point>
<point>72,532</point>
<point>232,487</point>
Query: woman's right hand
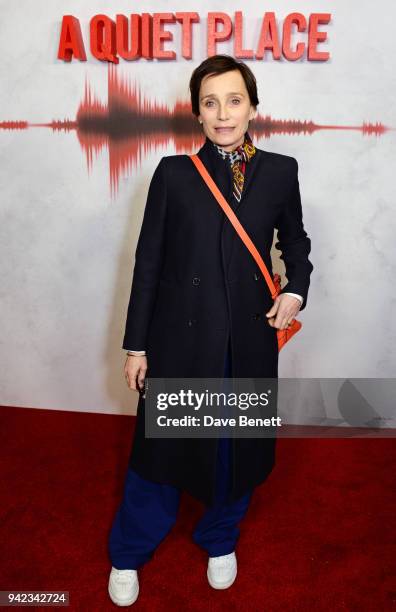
<point>135,370</point>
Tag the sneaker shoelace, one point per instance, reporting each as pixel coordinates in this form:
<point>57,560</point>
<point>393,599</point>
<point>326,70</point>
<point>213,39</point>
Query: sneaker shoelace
<point>224,561</point>
<point>120,575</point>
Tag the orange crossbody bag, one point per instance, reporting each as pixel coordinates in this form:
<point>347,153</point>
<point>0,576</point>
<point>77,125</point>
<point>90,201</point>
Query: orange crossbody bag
<point>273,284</point>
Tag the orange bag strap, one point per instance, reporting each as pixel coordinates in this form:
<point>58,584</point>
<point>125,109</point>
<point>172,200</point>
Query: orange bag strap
<point>235,222</point>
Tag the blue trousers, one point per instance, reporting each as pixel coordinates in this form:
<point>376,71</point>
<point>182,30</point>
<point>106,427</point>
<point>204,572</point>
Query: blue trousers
<point>149,509</point>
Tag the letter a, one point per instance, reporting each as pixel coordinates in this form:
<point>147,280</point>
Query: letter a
<point>71,41</point>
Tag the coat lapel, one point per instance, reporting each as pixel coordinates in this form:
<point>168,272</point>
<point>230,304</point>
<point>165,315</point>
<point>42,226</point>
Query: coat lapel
<point>217,168</point>
<point>221,172</point>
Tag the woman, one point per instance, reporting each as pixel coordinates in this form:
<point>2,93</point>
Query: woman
<point>197,309</point>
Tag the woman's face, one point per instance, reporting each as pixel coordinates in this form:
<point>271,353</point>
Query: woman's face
<point>225,108</point>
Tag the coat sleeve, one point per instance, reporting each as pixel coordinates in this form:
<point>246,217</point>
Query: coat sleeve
<point>294,242</point>
<point>148,262</point>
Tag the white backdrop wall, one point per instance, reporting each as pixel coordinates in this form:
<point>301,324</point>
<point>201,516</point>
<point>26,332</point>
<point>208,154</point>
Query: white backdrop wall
<point>67,246</point>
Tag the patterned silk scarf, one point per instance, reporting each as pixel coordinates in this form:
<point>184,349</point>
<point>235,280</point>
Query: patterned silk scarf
<point>238,159</point>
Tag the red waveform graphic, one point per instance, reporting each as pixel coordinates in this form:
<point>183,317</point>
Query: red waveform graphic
<point>14,125</point>
<point>131,126</point>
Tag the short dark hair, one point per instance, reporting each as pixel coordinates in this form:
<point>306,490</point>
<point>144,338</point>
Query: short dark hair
<point>217,64</point>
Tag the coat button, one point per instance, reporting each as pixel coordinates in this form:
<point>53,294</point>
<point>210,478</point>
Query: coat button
<point>256,316</point>
<point>196,280</point>
<point>256,276</point>
<point>191,322</point>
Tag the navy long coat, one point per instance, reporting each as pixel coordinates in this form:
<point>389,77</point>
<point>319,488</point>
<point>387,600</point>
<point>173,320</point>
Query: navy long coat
<point>195,284</point>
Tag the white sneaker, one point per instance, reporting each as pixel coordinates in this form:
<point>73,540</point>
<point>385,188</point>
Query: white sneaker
<point>123,586</point>
<point>222,571</point>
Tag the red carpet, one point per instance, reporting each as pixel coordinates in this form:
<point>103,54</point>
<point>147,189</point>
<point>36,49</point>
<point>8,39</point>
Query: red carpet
<point>319,534</point>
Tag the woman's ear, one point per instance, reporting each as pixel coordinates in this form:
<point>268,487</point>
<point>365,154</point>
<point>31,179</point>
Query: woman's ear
<point>253,113</point>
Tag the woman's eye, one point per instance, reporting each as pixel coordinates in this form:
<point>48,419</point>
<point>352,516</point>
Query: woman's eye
<point>234,100</point>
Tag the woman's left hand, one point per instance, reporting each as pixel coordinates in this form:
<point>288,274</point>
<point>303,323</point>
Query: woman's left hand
<point>283,311</point>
